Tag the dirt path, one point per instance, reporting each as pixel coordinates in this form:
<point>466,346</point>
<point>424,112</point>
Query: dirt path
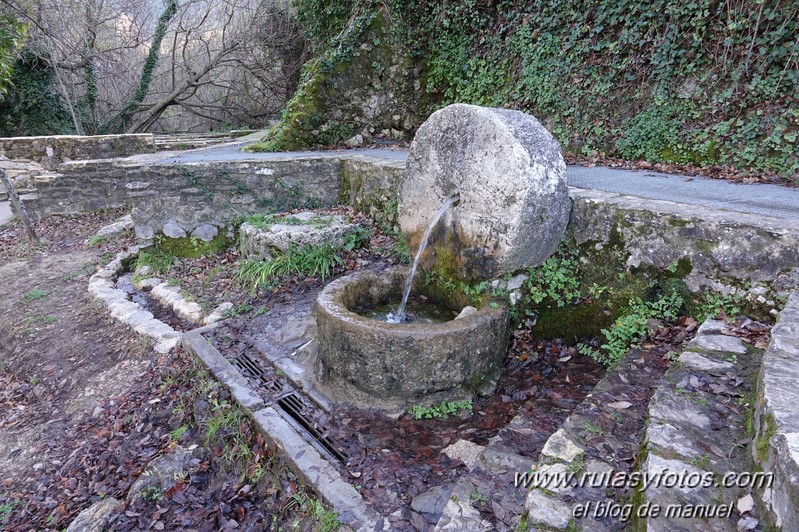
<point>60,359</point>
<point>86,406</point>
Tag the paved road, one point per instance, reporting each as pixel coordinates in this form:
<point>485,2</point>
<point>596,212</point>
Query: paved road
<point>769,200</point>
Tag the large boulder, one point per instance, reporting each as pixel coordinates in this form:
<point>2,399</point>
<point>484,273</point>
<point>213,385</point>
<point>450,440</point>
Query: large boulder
<point>511,179</point>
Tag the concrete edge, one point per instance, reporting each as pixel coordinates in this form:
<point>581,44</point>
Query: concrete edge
<point>101,287</point>
<point>686,211</point>
<point>280,435</point>
<point>776,419</point>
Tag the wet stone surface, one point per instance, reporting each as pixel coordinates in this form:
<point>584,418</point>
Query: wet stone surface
<point>395,463</point>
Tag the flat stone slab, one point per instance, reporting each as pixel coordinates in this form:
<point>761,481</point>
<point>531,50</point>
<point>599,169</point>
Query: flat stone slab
<point>547,511</point>
<point>669,407</point>
<point>305,228</point>
<point>94,518</point>
<point>117,228</point>
<point>560,447</point>
<point>717,343</point>
<point>693,360</point>
<point>465,451</point>
<point>5,212</point>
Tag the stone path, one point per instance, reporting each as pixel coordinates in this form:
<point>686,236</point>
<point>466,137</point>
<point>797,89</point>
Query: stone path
<point>769,200</point>
<point>695,435</point>
<point>5,212</point>
<point>696,438</point>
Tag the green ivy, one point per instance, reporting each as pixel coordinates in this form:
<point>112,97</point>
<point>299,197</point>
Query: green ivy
<point>703,82</point>
<point>557,278</point>
<point>12,34</point>
<point>32,106</point>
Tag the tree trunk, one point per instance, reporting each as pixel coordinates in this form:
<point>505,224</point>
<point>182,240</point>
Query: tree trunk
<point>19,208</point>
<point>149,116</point>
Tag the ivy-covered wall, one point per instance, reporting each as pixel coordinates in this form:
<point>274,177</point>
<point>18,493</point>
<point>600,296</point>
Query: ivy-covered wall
<point>703,82</point>
<point>31,103</point>
<point>363,82</point>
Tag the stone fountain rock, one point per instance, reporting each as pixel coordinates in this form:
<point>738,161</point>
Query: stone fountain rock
<point>394,365</point>
<point>511,178</point>
<point>510,213</point>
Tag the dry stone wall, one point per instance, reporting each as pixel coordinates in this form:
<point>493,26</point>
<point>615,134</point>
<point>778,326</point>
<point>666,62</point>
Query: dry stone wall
<point>181,199</point>
<point>51,151</point>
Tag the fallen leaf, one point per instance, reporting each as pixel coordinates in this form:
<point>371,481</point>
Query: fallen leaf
<point>620,405</point>
<point>745,504</point>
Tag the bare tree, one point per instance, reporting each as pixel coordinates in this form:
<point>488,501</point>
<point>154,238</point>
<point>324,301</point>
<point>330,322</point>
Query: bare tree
<point>128,65</point>
<point>227,61</point>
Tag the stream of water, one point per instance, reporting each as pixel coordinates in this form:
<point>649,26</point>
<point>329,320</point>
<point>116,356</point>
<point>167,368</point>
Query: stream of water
<point>399,316</point>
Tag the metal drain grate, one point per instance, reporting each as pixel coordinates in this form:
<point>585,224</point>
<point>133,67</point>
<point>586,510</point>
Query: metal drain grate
<point>250,368</point>
<point>299,409</point>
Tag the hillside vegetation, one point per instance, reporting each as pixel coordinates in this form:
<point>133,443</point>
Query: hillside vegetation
<point>705,82</point>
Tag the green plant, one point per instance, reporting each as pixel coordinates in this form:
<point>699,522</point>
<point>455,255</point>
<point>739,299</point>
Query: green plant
<point>479,498</point>
<point>716,304</point>
<point>557,279</point>
<point>631,326</point>
<point>157,260</point>
<point>32,320</point>
<point>577,465</point>
<point>325,520</point>
<point>180,408</point>
<point>442,409</point>
<point>593,428</point>
<point>307,260</point>
<point>224,416</point>
<point>702,461</point>
<point>151,493</point>
<point>36,294</point>
<point>357,238</point>
<point>243,308</point>
<point>95,240</point>
<point>178,432</point>
<point>6,508</point>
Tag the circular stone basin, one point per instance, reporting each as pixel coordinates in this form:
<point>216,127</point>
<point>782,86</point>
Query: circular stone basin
<point>380,364</point>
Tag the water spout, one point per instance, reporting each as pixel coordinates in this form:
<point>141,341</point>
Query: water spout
<point>399,317</point>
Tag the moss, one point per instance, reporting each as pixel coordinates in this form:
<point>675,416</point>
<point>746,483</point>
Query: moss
<point>763,441</point>
<point>573,323</point>
<point>191,247</point>
<point>446,264</point>
<point>305,121</point>
<point>348,184</point>
<point>678,222</point>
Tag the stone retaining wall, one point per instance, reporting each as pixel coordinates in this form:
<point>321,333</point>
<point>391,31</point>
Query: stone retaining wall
<point>179,198</point>
<point>370,186</point>
<point>730,252</point>
<point>53,150</point>
<point>750,255</point>
<point>776,419</point>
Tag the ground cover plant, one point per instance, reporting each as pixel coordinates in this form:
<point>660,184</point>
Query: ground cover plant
<point>709,84</point>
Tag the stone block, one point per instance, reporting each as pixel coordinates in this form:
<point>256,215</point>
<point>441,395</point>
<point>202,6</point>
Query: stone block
<point>510,178</point>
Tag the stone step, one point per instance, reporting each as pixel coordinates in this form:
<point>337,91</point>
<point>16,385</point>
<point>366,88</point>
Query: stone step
<point>696,437</point>
<point>585,456</point>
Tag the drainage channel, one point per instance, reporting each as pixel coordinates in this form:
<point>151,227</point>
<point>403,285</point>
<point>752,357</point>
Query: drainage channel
<point>298,409</point>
